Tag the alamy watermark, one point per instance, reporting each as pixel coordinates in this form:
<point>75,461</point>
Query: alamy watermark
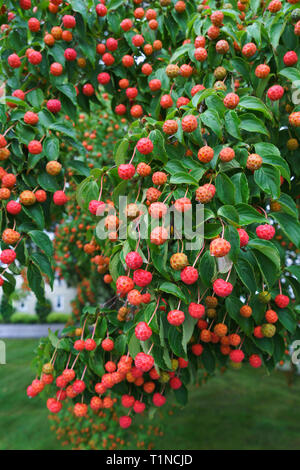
<point>296,92</point>
<point>2,352</point>
<point>138,221</point>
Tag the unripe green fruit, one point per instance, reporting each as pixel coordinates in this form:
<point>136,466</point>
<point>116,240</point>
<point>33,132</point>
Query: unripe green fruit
<point>48,368</point>
<point>220,73</point>
<point>264,297</point>
<point>164,377</point>
<point>268,330</point>
<point>172,70</point>
<point>174,364</point>
<point>235,365</point>
<point>220,86</point>
<point>296,14</point>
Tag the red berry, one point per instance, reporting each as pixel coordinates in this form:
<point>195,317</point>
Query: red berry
<point>96,207</point>
<point>189,123</point>
<point>101,9</point>
<point>90,344</point>
<point>35,147</point>
<point>265,232</point>
<point>69,21</point>
<point>142,278</point>
<point>78,386</point>
<point>175,383</point>
<point>255,361</point>
<point>124,284</point>
<point>158,399</point>
<point>126,24</point>
<point>222,288</point>
<point>231,100</point>
<point>142,331</point>
<point>31,118</point>
<point>139,406</point>
<point>262,71</point>
<point>107,344</point>
<point>219,247</point>
<point>59,198</point>
<point>13,207</point>
<point>196,310</point>
<point>125,422</point>
<point>189,275</point>
<point>144,146</point>
<point>249,49</point>
<point>237,355</point>
<point>200,54</point>
<point>133,260</point>
<point>54,106</point>
<point>79,345</point>
<point>53,405</point>
<point>275,92</point>
<point>282,301</point>
<point>103,78</point>
<point>144,361</point>
<point>197,349</point>
<point>290,58</point>
<point>126,171</point>
<point>7,256</point>
<point>34,25</point>
<point>175,317</point>
<point>244,237</point>
<point>70,54</point>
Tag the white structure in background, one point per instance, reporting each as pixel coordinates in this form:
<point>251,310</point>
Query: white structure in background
<point>60,298</point>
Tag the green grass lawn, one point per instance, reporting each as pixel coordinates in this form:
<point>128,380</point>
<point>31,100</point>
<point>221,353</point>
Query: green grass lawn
<point>243,409</point>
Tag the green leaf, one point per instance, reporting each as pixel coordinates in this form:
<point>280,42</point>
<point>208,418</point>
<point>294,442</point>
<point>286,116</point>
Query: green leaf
<point>265,344</point>
<point>267,177</point>
<point>232,124</point>
<point>207,268</point>
<point>289,225</point>
<point>175,342</point>
<point>183,178</point>
<point>255,104</point>
<point>42,240</point>
<point>173,289</point>
<point>251,123</point>
<point>48,182</point>
<point>241,187</point>
<point>246,274</point>
<point>287,319</point>
<point>211,119</point>
<point>208,359</point>
<point>233,305</point>
<point>51,148</point>
<point>35,212</point>
<point>79,167</point>
<point>248,215</point>
<point>229,213</point>
<point>225,189</point>
<point>267,249</point>
<point>35,98</point>
<point>43,264</point>
<point>35,281</point>
<point>159,150</point>
<point>120,153</point>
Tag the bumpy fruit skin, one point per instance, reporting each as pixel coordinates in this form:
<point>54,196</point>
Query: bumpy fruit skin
<point>54,106</point>
<point>53,168</point>
<point>124,284</point>
<point>189,275</point>
<point>159,178</point>
<point>96,207</point>
<point>227,154</point>
<point>219,247</point>
<point>264,297</point>
<point>246,311</point>
<point>271,316</point>
<point>244,237</point>
<point>142,331</point>
<point>183,204</point>
<point>27,198</point>
<point>268,330</point>
<point>158,399</point>
<point>144,146</point>
<point>35,147</point>
<point>249,49</point>
<point>144,361</point>
<point>107,344</point>
<point>172,70</point>
<point>200,54</point>
<point>175,317</point>
<point>142,278</point>
<point>178,261</point>
<point>13,207</point>
<point>262,71</point>
<point>222,288</point>
<point>90,344</point>
<point>294,118</point>
<point>59,198</point>
<point>159,236</point>
<point>53,405</point>
<point>236,355</point>
<point>196,310</point>
<point>255,361</point>
<point>134,297</point>
<point>222,47</point>
<point>10,236</point>
<point>290,58</point>
<point>126,171</point>
<point>80,409</point>
<point>205,193</point>
<point>282,301</point>
<point>170,127</point>
<point>157,210</point>
<point>231,100</point>
<point>275,92</point>
<point>189,123</point>
<point>133,260</point>
<point>265,232</point>
<point>292,144</point>
<point>254,162</point>
<point>205,154</point>
<point>31,118</point>
<point>220,330</point>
